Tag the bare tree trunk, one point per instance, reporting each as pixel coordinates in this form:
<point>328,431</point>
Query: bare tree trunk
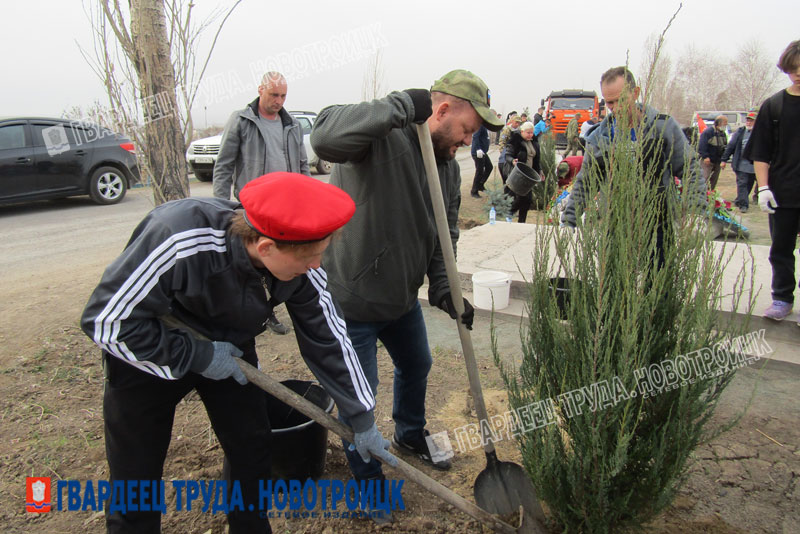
<point>119,66</point>
<point>151,59</point>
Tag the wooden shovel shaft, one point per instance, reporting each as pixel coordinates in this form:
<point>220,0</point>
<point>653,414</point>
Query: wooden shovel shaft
<point>314,412</point>
<point>440,215</point>
<point>308,408</point>
<point>437,200</point>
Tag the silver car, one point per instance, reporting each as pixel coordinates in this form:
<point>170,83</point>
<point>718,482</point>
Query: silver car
<point>202,153</point>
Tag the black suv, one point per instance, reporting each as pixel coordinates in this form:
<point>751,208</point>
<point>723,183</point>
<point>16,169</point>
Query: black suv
<point>52,158</point>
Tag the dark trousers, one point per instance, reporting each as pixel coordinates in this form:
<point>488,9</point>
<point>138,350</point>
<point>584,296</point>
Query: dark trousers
<point>501,166</point>
<point>783,227</point>
<point>483,168</point>
<point>744,183</point>
<point>712,171</point>
<point>139,408</point>
<point>406,341</point>
<point>520,204</point>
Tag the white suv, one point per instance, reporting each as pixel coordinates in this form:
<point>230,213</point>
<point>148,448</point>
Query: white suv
<point>306,120</point>
<point>202,153</point>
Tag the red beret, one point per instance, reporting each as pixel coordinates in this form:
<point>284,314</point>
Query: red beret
<point>294,207</point>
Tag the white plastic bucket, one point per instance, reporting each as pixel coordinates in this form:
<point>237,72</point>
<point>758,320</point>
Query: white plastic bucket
<point>491,284</point>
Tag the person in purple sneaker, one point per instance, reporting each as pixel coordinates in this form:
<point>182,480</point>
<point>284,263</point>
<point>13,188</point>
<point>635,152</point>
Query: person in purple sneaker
<point>776,159</point>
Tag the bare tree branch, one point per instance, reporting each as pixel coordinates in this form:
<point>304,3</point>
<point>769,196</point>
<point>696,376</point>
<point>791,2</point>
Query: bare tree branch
<point>372,84</point>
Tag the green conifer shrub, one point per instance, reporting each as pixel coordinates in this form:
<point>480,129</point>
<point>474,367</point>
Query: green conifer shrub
<point>617,459</point>
<point>497,198</point>
<point>543,192</point>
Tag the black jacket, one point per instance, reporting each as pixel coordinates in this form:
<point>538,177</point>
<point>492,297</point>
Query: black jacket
<point>712,144</point>
<point>516,149</point>
<point>378,265</point>
<point>181,261</point>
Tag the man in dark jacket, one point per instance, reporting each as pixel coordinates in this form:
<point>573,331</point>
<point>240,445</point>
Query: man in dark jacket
<point>538,116</point>
<point>743,167</point>
<point>378,266</point>
<point>711,147</point>
<point>260,139</point>
<point>480,155</point>
<point>776,159</point>
<point>219,267</point>
<point>677,158</point>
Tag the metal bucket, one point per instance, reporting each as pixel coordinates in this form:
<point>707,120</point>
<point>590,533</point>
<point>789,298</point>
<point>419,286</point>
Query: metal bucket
<point>522,179</point>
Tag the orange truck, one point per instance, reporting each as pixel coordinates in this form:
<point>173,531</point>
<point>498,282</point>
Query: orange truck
<point>563,105</point>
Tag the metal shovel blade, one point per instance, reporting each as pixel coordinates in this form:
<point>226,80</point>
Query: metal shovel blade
<point>502,488</point>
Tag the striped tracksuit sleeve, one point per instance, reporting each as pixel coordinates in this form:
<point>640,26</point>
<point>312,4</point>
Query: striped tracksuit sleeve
<point>121,315</point>
<point>327,350</point>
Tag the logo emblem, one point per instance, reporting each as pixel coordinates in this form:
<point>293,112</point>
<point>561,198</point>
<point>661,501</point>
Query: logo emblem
<point>440,446</point>
<point>488,98</point>
<point>37,494</point>
<point>55,139</point>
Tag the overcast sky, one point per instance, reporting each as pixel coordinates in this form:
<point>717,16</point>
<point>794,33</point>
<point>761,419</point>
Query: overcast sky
<point>522,49</point>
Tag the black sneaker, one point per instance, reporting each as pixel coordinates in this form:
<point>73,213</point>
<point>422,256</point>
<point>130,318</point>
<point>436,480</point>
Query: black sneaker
<point>420,449</point>
<point>276,326</point>
<point>474,194</point>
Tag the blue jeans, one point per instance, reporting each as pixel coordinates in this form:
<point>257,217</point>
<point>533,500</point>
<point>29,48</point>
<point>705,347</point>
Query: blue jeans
<point>406,340</point>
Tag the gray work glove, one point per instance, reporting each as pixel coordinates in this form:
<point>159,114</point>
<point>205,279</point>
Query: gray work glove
<point>223,364</point>
<point>371,443</point>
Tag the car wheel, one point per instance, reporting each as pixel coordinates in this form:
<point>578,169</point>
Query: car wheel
<point>204,176</point>
<point>324,167</point>
<point>107,185</point>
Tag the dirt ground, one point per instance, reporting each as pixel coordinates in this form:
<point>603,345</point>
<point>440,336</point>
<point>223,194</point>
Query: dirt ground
<point>51,388</point>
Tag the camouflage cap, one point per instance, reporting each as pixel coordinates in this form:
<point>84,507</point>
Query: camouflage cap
<point>515,118</point>
<point>562,169</point>
<point>752,114</point>
<point>465,85</point>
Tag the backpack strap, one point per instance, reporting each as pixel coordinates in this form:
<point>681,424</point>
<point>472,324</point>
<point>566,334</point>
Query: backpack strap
<point>775,104</point>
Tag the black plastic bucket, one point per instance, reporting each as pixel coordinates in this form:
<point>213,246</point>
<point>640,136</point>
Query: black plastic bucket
<point>522,179</point>
<point>299,445</point>
<point>560,288</point>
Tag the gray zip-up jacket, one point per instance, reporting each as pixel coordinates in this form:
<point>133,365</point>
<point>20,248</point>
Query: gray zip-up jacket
<point>182,261</point>
<point>378,265</point>
<point>243,150</point>
<point>678,159</point>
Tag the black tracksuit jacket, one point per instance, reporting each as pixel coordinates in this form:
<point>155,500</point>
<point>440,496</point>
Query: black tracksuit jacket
<point>181,261</point>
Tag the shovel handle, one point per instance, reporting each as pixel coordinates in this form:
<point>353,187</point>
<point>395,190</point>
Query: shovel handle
<point>435,187</point>
<point>314,412</point>
<point>311,410</point>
